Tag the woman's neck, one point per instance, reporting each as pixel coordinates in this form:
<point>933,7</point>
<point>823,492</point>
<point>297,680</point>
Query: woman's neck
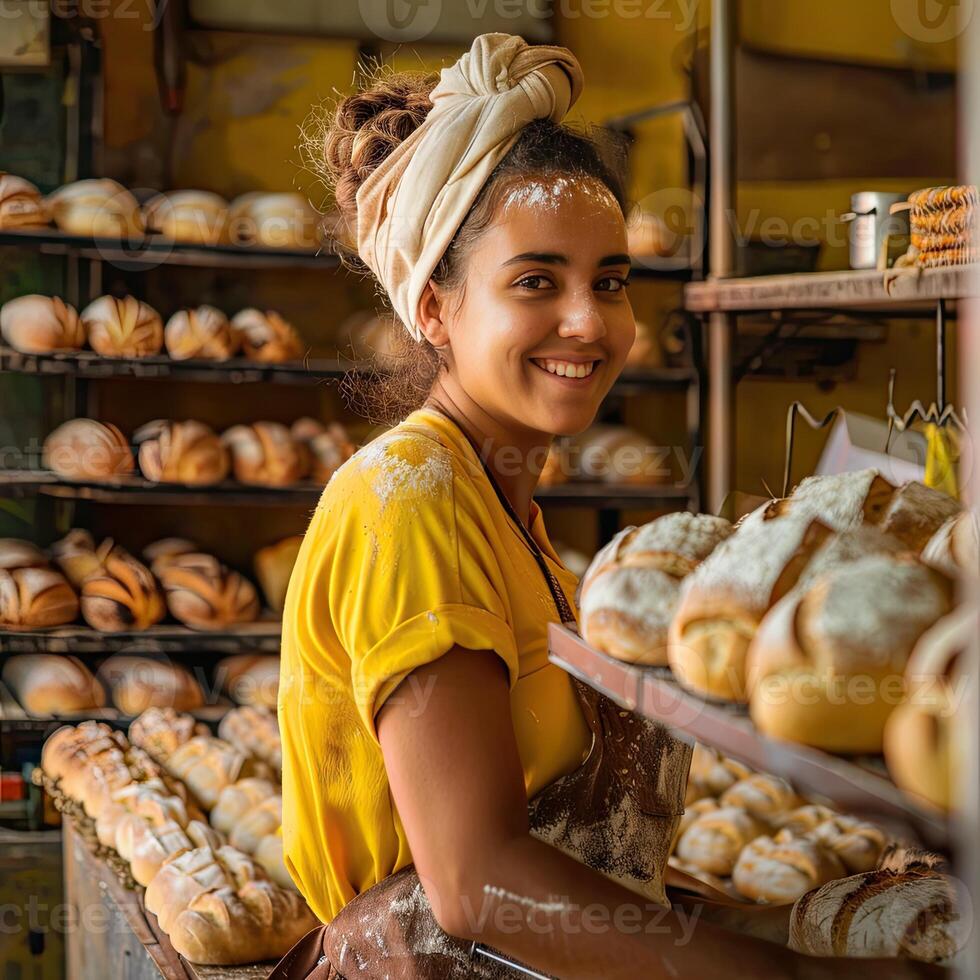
<point>513,456</point>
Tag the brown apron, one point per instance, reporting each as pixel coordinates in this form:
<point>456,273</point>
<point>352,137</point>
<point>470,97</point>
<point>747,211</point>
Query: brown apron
<point>616,813</point>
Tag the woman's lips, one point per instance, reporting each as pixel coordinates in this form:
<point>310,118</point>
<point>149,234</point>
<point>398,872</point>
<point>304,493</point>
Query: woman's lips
<point>567,371</point>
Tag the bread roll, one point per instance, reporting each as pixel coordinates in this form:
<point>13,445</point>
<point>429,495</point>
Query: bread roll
<point>273,221</point>
<point>99,208</point>
<point>712,773</point>
<point>83,449</point>
<point>955,547</point>
<point>765,797</point>
<point>843,501</point>
<point>782,868</point>
<point>723,601</point>
<point>829,672</point>
<point>138,683</point>
<point>161,731</point>
<point>204,594</point>
<point>265,454</point>
<point>35,598</point>
<point>193,217</point>
<point>616,454</point>
<point>267,337</point>
<point>159,553</point>
<point>715,839</point>
<point>123,327</point>
<point>21,204</point>
<point>206,766</point>
<point>237,799</point>
<point>916,512</point>
<point>258,822</point>
<point>806,818</point>
<point>17,553</point>
<point>273,566</point>
<point>49,684</point>
<point>924,746</point>
<point>857,843</point>
<point>250,678</point>
<point>692,811</point>
<point>78,556</point>
<point>123,597</point>
<point>189,453</point>
<point>255,730</point>
<point>36,324</point>
<point>204,332</point>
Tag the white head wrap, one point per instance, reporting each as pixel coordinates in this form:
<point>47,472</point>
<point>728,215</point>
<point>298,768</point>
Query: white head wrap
<point>411,206</point>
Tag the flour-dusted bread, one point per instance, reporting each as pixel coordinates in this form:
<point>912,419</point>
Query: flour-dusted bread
<point>780,869</point>
<point>138,683</point>
<point>630,592</point>
<point>725,598</point>
<point>265,454</point>
<point>692,811</point>
<point>843,501</point>
<point>834,670</point>
<point>35,598</point>
<point>916,512</point>
<point>122,596</point>
<point>187,452</point>
<point>955,547</point>
<point>84,449</point>
<point>712,773</point>
<point>96,207</point>
<point>36,324</point>
<point>767,798</point>
<point>857,843</point>
<point>161,731</point>
<point>267,337</point>
<point>204,332</point>
<point>256,731</point>
<point>205,594</point>
<point>237,799</point>
<point>715,839</point>
<point>123,327</point>
<point>189,216</point>
<point>52,684</point>
<point>806,818</point>
<point>21,204</point>
<point>206,766</point>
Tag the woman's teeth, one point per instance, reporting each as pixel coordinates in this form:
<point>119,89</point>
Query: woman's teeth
<point>566,369</point>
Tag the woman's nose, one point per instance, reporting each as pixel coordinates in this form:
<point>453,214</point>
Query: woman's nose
<point>583,319</point>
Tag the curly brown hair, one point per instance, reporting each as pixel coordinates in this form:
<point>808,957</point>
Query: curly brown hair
<point>346,143</point>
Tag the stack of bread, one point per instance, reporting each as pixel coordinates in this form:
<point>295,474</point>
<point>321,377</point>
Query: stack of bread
<point>215,901</point>
<point>942,220</point>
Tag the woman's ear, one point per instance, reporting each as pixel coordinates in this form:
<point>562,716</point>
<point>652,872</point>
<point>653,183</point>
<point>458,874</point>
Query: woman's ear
<point>432,309</point>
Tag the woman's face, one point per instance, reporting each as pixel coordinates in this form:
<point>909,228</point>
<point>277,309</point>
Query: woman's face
<point>544,322</point>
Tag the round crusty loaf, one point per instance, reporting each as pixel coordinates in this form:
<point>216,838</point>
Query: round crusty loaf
<point>100,208</point>
<point>34,598</point>
<point>138,683</point>
<point>767,798</point>
<point>196,217</point>
<point>692,811</point>
<point>84,449</point>
<point>916,512</point>
<point>21,204</point>
<point>123,327</point>
<point>188,452</point>
<point>36,324</point>
<point>266,337</point>
<point>712,773</point>
<point>203,332</point>
<point>782,868</point>
<point>277,220</point>
<point>265,454</point>
<point>715,839</point>
<point>123,596</point>
<point>50,684</point>
<point>77,555</point>
<point>204,594</point>
<point>159,553</point>
<point>857,843</point>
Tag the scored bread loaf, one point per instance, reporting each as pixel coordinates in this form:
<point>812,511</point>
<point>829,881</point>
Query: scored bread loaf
<point>273,566</point>
<point>265,454</point>
<point>146,845</point>
<point>21,204</point>
<point>782,868</point>
<point>204,332</point>
<point>714,839</point>
<point>765,797</point>
<point>150,799</point>
<point>123,327</point>
<point>204,594</point>
<point>84,449</point>
<point>237,799</point>
<point>256,731</point>
<point>138,683</point>
<point>36,324</point>
<point>630,592</point>
<point>206,766</point>
<point>916,512</point>
<point>188,452</point>
<point>266,337</point>
<point>250,678</point>
<point>98,208</point>
<point>195,217</point>
<point>50,684</point>
<point>261,820</point>
<point>712,773</point>
<point>843,501</point>
<point>36,598</point>
<point>955,547</point>
<point>161,731</point>
<point>122,596</point>
<point>857,843</point>
<point>832,672</point>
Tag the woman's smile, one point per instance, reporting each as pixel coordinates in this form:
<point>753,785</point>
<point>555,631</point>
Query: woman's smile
<point>576,373</point>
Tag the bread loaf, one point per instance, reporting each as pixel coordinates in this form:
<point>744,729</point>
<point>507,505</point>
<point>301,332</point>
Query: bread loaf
<point>206,766</point>
<point>262,820</point>
<point>204,332</point>
<point>78,556</point>
<point>273,566</point>
<point>616,454</point>
<point>83,449</point>
<point>150,799</point>
<point>158,554</point>
<point>767,798</point>
<point>857,843</point>
<point>955,547</point>
<point>250,678</point>
<point>715,839</point>
<point>266,337</point>
<point>692,811</point>
<point>35,598</point>
<point>36,324</point>
<point>916,512</point>
<point>833,669</point>
<point>48,684</point>
<point>843,501</point>
<point>782,868</point>
<point>21,204</point>
<point>161,731</point>
<point>147,845</point>
<point>712,773</point>
<point>193,217</point>
<point>98,208</point>
<point>138,683</point>
<point>123,327</point>
<point>122,597</point>
<point>204,594</point>
<point>265,454</point>
<point>256,731</point>
<point>181,452</point>
<point>805,818</point>
<point>237,799</point>
<point>273,220</point>
<point>17,553</point>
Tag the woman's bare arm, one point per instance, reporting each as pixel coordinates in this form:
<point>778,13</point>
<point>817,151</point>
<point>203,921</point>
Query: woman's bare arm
<point>457,782</point>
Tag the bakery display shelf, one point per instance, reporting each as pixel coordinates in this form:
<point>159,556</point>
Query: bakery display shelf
<point>857,785</point>
<point>262,636</point>
<point>868,290</point>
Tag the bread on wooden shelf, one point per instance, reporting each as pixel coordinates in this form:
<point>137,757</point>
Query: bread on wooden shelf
<point>250,678</point>
<point>207,765</point>
<point>137,683</point>
<point>96,207</point>
<point>955,547</point>
<point>630,592</point>
<point>21,205</point>
<point>273,220</point>
<point>123,327</point>
<point>189,452</point>
<point>52,684</point>
<point>204,332</point>
<point>122,595</point>
<point>780,869</point>
<point>35,598</point>
<point>830,670</point>
<point>273,566</point>
<point>159,553</point>
<point>714,840</point>
<point>615,454</point>
<point>36,324</point>
<point>205,594</point>
<point>189,216</point>
<point>267,337</point>
<point>150,799</point>
<point>146,845</point>
<point>18,553</point>
<point>265,454</point>
<point>84,449</point>
<point>767,798</point>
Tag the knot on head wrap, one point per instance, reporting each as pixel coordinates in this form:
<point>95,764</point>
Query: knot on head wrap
<point>411,206</point>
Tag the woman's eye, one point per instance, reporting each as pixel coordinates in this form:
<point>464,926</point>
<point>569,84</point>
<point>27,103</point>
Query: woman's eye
<point>532,279</point>
<point>620,284</point>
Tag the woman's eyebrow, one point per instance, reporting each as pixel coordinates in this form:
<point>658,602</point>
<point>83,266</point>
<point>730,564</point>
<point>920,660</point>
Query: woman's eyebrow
<point>557,258</point>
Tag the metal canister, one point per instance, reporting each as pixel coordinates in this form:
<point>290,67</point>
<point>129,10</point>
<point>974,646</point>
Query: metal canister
<point>871,224</point>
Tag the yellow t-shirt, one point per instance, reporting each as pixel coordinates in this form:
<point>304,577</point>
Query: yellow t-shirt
<point>408,553</point>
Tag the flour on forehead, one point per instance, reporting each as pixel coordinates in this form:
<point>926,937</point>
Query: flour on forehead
<point>552,192</point>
